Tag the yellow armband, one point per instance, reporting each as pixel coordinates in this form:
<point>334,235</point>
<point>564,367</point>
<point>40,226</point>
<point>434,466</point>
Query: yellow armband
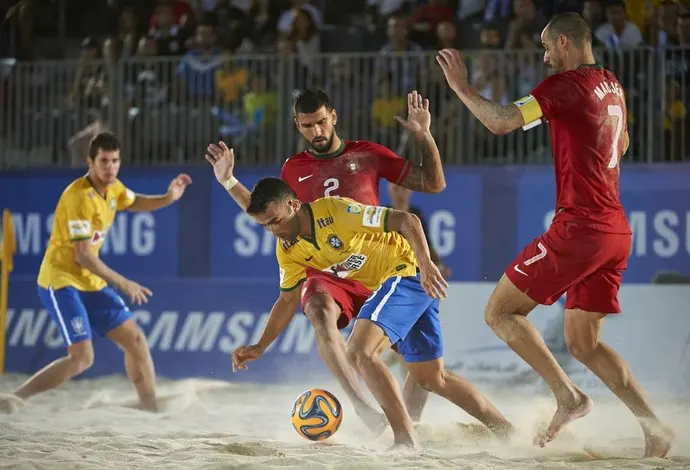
<point>530,110</point>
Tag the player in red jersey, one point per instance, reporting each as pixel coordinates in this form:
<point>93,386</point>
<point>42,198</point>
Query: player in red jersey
<point>585,250</point>
<point>353,169</point>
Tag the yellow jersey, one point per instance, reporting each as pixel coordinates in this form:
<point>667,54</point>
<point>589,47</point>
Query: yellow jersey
<point>349,240</point>
<point>81,214</point>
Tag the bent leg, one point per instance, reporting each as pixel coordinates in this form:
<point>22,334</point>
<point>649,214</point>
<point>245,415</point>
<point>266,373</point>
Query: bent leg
<point>324,312</point>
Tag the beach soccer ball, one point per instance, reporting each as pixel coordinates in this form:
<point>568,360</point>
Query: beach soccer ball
<point>316,414</point>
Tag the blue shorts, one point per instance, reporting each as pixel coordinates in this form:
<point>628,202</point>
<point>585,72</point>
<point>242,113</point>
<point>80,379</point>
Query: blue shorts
<point>408,316</point>
<point>78,313</point>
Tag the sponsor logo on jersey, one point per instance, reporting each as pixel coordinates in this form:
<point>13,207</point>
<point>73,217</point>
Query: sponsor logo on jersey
<point>97,237</point>
<point>373,216</point>
<point>287,244</point>
<point>324,222</point>
<point>400,267</point>
<point>335,242</point>
<point>79,228</point>
<point>354,208</point>
<point>354,262</point>
<point>112,204</point>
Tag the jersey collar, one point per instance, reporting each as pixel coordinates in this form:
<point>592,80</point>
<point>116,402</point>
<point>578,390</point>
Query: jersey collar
<point>313,228</point>
<point>104,196</point>
<point>332,154</point>
<point>594,66</point>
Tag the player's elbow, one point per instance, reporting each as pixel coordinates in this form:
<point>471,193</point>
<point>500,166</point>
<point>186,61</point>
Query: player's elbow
<point>406,222</point>
<point>436,186</point>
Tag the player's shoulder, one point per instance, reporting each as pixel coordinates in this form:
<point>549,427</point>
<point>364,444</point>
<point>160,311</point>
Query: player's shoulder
<point>80,188</point>
<point>366,146</point>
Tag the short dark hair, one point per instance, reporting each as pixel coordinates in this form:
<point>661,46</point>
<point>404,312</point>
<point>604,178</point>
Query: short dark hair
<point>311,100</point>
<point>104,141</point>
<point>266,191</point>
<point>573,26</point>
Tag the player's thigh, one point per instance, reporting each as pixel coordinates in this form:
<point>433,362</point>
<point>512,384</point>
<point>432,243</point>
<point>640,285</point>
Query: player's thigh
<point>69,313</point>
<point>552,263</point>
<point>128,336</point>
<point>106,310</point>
<point>323,300</point>
<point>395,307</point>
<point>598,291</point>
<point>424,343</point>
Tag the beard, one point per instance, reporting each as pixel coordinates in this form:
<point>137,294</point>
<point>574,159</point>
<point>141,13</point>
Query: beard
<point>323,145</point>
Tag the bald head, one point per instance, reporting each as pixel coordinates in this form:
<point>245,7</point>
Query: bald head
<point>571,25</point>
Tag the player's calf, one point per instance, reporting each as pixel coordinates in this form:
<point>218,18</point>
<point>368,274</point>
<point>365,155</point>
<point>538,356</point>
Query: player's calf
<point>366,343</point>
<point>432,376</point>
<point>138,362</point>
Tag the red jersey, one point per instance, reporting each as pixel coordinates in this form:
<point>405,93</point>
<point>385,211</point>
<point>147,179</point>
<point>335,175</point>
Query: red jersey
<point>586,112</point>
<point>354,171</point>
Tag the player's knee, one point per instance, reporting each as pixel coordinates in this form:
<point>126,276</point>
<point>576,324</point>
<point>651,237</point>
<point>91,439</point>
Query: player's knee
<point>358,356</point>
<point>432,380</point>
<point>322,311</point>
<point>493,317</point>
<point>581,348</point>
<point>81,357</point>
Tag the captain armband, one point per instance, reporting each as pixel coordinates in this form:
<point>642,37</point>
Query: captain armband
<point>530,110</point>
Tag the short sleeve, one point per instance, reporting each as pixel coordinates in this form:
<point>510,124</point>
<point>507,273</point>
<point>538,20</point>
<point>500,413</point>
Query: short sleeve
<point>125,197</point>
<point>79,212</point>
<point>554,95</point>
<point>292,274</point>
<point>391,167</point>
<point>352,217</point>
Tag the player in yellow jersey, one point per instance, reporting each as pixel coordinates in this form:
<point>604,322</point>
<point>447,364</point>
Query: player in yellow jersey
<point>73,283</point>
<point>386,251</point>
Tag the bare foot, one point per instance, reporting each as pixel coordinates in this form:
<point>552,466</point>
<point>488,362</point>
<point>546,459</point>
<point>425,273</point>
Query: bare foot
<point>375,421</point>
<point>10,403</point>
<point>398,447</point>
<point>564,415</point>
<point>658,439</point>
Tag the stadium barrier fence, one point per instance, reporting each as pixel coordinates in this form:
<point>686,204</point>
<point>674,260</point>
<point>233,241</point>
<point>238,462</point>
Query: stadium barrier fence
<point>167,109</point>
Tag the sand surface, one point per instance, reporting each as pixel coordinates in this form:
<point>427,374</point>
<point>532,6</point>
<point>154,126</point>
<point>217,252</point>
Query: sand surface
<point>203,424</point>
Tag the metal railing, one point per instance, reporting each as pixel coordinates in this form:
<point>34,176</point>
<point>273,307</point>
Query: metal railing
<point>167,110</point>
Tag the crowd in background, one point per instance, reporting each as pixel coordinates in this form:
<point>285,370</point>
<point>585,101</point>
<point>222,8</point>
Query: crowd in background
<point>171,75</point>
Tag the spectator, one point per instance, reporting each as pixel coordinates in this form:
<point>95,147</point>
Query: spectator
<point>86,91</point>
<point>231,80</point>
<point>197,70</point>
<point>305,36</point>
<point>426,17</point>
<point>404,70</point>
<point>666,31</point>
<point>386,106</point>
<point>263,20</point>
<point>146,88</point>
<point>387,8</point>
<point>287,19</point>
<point>470,8</point>
<point>618,31</point>
<point>447,36</point>
<point>593,12</point>
<point>129,31</point>
<point>181,11</point>
<point>167,34</point>
<point>232,24</point>
<point>527,22</point>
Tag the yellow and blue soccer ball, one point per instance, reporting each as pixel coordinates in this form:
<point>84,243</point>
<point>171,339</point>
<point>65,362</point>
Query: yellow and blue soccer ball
<point>316,414</point>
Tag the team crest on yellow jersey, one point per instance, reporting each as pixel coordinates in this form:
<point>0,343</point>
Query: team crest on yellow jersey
<point>354,208</point>
<point>335,242</point>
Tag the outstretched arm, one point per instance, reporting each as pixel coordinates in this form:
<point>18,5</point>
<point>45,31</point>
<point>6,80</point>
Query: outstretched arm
<point>148,203</point>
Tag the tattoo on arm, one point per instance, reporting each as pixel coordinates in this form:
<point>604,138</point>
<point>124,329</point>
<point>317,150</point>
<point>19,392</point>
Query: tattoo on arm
<point>427,176</point>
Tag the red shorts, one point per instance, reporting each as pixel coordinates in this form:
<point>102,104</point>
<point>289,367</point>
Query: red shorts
<point>584,264</point>
<point>349,295</point>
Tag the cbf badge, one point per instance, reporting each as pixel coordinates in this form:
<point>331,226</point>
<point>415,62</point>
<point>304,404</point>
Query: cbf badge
<point>354,208</point>
<point>335,242</point>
